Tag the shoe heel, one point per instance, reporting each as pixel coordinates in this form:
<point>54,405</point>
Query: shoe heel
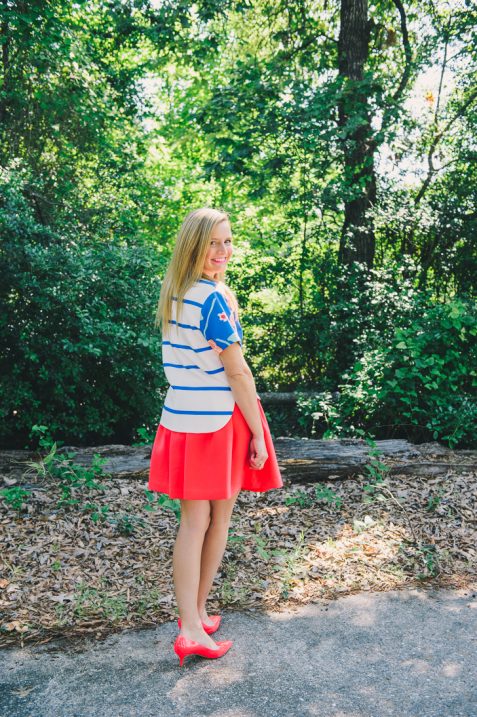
<point>179,652</point>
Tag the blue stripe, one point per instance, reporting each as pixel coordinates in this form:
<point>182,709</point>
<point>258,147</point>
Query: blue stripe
<point>178,365</point>
<point>185,326</point>
<point>182,346</point>
<point>200,413</point>
<point>188,301</point>
<point>202,388</point>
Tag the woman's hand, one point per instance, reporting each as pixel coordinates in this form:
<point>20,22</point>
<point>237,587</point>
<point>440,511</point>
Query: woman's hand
<point>258,453</point>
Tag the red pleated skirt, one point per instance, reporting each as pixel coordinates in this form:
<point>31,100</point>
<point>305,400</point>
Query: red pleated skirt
<point>211,466</point>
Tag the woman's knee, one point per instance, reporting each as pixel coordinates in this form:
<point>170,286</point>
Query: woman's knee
<point>221,512</point>
<point>195,515</point>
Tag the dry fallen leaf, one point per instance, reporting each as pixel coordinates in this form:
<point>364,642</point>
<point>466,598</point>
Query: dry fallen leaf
<point>64,574</point>
<point>23,691</point>
<point>14,625</point>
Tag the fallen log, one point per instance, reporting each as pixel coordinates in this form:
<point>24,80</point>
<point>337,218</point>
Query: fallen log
<point>304,459</point>
<point>300,459</point>
<point>283,398</point>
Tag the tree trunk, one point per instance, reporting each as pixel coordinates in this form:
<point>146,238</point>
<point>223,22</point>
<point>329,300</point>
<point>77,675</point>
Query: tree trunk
<point>357,237</point>
<point>5,85</point>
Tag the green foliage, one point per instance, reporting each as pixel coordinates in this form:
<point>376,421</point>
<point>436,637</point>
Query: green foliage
<point>299,497</point>
<point>161,500</point>
<point>124,523</point>
<point>327,494</point>
<point>294,356</point>
<point>73,479</point>
<point>375,469</point>
<point>69,111</point>
<point>145,436</point>
<point>75,483</point>
<point>83,356</point>
<point>422,382</point>
<point>425,555</point>
<point>15,497</point>
<point>94,601</point>
<point>43,437</point>
<point>435,500</point>
<point>119,117</point>
<point>429,373</point>
<point>305,500</point>
<point>318,410</point>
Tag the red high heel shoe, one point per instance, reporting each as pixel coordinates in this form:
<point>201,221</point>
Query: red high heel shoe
<point>184,647</point>
<point>209,629</point>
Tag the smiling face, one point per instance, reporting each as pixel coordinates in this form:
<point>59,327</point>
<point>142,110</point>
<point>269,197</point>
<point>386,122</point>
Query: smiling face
<point>219,251</point>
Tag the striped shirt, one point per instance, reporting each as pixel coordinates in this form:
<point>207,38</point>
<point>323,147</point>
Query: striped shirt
<point>199,398</point>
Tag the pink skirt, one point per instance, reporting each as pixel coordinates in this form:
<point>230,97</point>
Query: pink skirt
<point>211,466</point>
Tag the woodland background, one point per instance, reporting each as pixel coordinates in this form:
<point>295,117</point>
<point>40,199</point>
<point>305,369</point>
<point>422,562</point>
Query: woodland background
<point>340,136</point>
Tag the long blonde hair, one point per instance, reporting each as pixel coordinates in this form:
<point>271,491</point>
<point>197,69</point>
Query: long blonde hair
<point>187,263</point>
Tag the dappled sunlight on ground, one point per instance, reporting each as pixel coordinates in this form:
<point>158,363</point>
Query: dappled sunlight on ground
<point>64,573</point>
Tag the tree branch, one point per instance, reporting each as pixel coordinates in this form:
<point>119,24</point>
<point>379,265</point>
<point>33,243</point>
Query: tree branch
<point>407,51</point>
<point>437,138</point>
<point>441,79</point>
<point>407,64</point>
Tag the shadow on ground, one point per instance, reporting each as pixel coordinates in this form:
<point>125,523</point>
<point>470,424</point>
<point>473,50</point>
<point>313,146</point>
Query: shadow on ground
<point>409,653</point>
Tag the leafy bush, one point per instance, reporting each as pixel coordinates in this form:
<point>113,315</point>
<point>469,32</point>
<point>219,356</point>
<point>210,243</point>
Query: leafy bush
<point>421,384</point>
<point>81,354</point>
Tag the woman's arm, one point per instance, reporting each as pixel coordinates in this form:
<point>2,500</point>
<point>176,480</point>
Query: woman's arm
<point>243,388</point>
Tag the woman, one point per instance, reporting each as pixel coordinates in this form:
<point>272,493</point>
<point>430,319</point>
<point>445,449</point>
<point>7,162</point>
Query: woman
<point>213,438</point>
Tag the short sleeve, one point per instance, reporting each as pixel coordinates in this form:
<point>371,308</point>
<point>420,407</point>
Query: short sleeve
<point>217,322</point>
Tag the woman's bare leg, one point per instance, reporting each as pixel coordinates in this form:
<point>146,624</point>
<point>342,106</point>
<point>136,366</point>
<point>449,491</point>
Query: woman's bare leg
<point>186,560</point>
<point>213,548</point>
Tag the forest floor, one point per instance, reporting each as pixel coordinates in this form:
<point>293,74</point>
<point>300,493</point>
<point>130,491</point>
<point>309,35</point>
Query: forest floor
<point>65,574</point>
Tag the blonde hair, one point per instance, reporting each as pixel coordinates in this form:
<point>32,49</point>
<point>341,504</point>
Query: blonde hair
<point>187,263</point>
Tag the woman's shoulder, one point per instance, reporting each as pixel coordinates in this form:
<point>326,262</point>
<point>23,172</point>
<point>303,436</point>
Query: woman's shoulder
<point>200,290</point>
<point>229,297</point>
<point>203,291</point>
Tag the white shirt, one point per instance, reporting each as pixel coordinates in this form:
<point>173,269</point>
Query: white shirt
<point>199,398</point>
